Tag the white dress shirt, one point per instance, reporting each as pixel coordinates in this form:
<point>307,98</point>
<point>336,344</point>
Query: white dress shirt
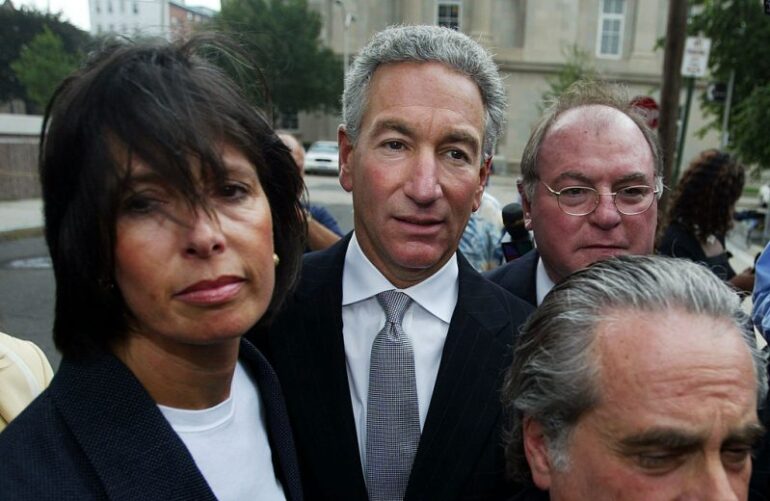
<point>543,283</point>
<point>426,322</point>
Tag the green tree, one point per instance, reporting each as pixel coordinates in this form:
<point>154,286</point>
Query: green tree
<point>740,36</point>
<point>284,36</point>
<point>42,64</point>
<point>577,66</point>
<point>18,28</point>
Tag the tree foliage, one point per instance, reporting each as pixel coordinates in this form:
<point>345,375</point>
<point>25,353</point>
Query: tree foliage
<point>740,36</point>
<point>284,36</point>
<point>17,29</point>
<point>577,66</point>
<point>42,64</point>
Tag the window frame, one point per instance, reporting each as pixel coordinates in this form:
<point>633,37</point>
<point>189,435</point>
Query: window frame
<point>449,3</point>
<point>621,19</point>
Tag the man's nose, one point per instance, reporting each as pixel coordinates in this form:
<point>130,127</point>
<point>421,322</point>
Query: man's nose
<point>423,178</point>
<point>606,214</point>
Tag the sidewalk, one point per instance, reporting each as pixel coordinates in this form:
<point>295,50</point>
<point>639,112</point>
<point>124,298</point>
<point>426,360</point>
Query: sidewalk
<point>19,218</point>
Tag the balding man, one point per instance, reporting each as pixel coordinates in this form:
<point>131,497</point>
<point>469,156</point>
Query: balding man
<point>322,229</point>
<point>591,181</point>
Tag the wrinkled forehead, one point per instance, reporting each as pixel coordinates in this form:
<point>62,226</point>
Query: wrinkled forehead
<point>591,117</point>
<point>669,353</point>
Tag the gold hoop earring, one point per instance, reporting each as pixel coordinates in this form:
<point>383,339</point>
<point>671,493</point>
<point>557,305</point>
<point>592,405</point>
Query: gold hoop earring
<point>276,259</point>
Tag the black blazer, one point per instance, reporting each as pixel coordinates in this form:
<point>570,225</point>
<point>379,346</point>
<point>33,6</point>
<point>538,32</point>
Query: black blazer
<point>518,277</point>
<point>460,455</point>
<point>95,433</point>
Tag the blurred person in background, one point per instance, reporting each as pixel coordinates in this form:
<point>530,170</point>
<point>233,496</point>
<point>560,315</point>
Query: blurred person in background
<point>24,373</point>
<point>322,229</point>
<point>701,213</point>
<point>174,225</point>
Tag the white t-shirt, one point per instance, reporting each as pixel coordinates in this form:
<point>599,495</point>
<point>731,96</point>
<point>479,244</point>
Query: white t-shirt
<point>229,443</point>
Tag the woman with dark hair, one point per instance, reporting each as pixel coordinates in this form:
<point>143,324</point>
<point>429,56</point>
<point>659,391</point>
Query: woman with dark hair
<point>701,214</point>
<point>174,226</point>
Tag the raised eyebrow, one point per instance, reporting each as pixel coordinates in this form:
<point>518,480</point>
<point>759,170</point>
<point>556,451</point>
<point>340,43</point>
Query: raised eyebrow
<point>392,125</point>
<point>573,176</point>
<point>749,434</point>
<point>636,177</point>
<point>461,136</point>
<point>666,438</point>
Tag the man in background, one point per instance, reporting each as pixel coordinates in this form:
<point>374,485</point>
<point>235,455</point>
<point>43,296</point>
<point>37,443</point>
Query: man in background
<point>322,229</point>
<point>591,179</point>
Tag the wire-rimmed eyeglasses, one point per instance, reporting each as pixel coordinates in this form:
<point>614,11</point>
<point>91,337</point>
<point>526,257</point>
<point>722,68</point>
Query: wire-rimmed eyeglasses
<point>583,200</point>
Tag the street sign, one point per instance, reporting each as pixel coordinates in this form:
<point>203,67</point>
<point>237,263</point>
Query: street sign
<point>648,108</point>
<point>716,92</point>
<point>696,56</point>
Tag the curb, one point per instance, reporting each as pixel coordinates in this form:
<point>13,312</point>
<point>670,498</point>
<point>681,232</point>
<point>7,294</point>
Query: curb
<point>20,233</point>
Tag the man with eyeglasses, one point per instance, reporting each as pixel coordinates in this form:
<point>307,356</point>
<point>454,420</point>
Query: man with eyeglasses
<point>591,180</point>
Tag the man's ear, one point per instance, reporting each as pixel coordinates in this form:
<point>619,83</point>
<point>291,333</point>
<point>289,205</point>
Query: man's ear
<point>536,451</point>
<point>484,172</point>
<point>526,205</point>
<point>346,154</point>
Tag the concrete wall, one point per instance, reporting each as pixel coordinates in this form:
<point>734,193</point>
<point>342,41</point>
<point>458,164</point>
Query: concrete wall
<point>18,156</point>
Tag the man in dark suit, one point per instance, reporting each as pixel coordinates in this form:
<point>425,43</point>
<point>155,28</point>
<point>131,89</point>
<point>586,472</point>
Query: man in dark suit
<point>591,178</point>
<point>404,405</point>
<point>636,378</point>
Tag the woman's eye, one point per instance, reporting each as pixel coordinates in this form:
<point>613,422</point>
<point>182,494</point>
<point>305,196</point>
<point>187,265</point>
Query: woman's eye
<point>140,204</point>
<point>233,190</point>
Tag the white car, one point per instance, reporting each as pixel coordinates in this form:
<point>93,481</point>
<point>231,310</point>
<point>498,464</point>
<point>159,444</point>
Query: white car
<point>323,157</point>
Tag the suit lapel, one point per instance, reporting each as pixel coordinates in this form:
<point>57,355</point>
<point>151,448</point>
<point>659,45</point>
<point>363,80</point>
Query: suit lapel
<point>277,421</point>
<point>117,424</point>
<point>464,408</point>
<point>320,403</point>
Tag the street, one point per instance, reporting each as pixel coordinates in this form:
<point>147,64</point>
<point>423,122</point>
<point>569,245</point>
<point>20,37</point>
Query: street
<point>27,285</point>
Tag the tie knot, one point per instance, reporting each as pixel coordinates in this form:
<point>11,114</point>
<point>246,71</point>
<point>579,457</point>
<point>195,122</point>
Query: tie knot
<point>395,304</point>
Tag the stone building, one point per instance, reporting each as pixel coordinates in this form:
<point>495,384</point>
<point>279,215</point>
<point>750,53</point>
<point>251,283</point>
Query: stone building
<point>145,17</point>
<point>530,40</point>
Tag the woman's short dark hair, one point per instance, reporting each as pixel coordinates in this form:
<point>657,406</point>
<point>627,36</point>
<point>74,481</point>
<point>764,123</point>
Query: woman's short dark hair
<point>165,103</point>
<point>704,198</point>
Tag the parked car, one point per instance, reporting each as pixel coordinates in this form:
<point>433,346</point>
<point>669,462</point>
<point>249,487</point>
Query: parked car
<point>323,157</point>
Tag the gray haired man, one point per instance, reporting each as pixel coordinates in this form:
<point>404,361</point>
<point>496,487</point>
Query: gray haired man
<point>392,351</point>
<point>636,378</point>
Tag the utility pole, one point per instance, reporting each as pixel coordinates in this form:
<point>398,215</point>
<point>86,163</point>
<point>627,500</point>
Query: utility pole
<point>676,31</point>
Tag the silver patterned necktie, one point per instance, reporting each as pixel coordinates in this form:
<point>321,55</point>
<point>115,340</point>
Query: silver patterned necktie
<point>392,415</point>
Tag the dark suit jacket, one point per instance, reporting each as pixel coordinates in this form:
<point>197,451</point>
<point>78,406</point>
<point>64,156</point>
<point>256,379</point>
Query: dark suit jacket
<point>460,455</point>
<point>95,433</point>
<point>518,277</point>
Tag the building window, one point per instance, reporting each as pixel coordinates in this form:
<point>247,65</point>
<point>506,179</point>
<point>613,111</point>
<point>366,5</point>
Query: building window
<point>609,41</point>
<point>109,6</point>
<point>136,7</point>
<point>288,120</point>
<point>98,7</point>
<point>449,15</point>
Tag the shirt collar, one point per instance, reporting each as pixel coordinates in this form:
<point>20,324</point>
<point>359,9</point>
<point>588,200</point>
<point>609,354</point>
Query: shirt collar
<point>543,283</point>
<point>361,280</point>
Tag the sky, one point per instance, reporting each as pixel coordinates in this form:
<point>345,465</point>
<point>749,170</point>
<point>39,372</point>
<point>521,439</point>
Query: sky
<point>76,11</point>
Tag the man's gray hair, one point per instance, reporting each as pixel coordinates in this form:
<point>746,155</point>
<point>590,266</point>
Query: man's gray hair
<point>426,44</point>
<point>585,93</point>
<point>554,378</point>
